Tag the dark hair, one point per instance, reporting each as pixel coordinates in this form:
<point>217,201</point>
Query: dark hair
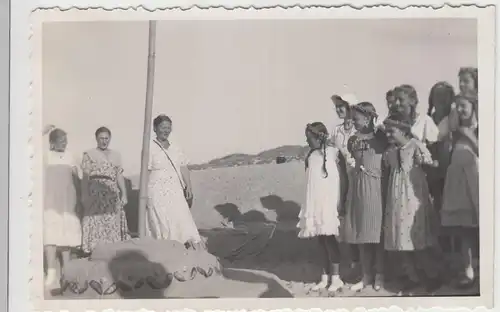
<point>473,72</point>
<point>367,109</point>
<point>101,130</point>
<point>160,119</point>
<point>56,134</point>
<point>410,91</point>
<point>319,130</point>
<point>470,99</point>
<point>400,121</point>
<point>389,94</point>
<point>450,95</point>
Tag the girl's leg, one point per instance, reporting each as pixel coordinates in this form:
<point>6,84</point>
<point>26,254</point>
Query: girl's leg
<point>431,268</point>
<point>467,246</point>
<point>366,258</point>
<point>333,250</point>
<point>51,257</point>
<point>323,245</point>
<point>412,279</point>
<point>379,265</point>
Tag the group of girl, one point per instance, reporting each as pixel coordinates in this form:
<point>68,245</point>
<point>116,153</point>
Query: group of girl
<point>394,185</point>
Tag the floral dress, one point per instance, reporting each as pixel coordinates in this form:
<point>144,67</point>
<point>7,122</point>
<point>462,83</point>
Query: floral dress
<point>168,215</point>
<point>409,215</point>
<point>364,204</point>
<point>104,219</point>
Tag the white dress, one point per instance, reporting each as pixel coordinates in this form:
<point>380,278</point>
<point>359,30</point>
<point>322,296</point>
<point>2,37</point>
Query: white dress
<point>319,216</point>
<point>168,215</point>
<point>61,224</point>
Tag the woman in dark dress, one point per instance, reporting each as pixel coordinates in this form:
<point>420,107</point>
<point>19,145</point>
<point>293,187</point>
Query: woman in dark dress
<point>364,204</point>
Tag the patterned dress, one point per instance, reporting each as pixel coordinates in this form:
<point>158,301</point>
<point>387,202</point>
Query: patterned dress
<point>168,215</point>
<point>104,219</point>
<point>319,216</point>
<point>363,218</point>
<point>409,216</point>
<point>61,223</point>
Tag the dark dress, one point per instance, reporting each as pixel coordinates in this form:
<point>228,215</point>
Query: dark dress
<point>364,204</point>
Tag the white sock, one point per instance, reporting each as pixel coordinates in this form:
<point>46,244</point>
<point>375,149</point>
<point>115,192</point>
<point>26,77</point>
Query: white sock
<point>337,283</point>
<point>51,277</point>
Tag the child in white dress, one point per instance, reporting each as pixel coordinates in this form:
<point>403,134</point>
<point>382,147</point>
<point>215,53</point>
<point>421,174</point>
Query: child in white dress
<point>61,227</point>
<point>319,217</point>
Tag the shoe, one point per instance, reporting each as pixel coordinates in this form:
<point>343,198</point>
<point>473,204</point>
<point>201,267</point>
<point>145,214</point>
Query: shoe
<point>465,282</point>
<point>361,284</point>
<point>336,284</point>
<point>433,284</point>
<point>322,284</point>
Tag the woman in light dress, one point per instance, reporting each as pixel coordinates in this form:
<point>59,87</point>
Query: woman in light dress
<point>408,218</point>
<point>168,214</point>
<point>339,137</point>
<point>104,194</point>
<point>318,218</point>
<point>62,229</point>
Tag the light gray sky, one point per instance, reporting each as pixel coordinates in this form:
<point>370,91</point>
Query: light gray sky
<point>241,85</point>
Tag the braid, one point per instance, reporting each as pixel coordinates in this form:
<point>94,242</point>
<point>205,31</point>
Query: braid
<point>324,159</point>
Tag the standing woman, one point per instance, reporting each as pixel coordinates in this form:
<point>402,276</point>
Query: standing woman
<point>339,138</point>
<point>168,214</point>
<point>364,205</point>
<point>105,194</point>
<point>62,230</point>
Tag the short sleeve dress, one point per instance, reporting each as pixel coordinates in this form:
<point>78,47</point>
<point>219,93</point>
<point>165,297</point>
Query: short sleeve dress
<point>61,222</point>
<point>409,216</point>
<point>104,219</point>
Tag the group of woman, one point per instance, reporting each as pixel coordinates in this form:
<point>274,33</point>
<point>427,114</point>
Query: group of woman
<point>84,203</point>
<point>393,185</point>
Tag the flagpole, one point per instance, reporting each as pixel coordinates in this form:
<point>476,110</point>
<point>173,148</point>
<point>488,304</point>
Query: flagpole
<point>146,139</point>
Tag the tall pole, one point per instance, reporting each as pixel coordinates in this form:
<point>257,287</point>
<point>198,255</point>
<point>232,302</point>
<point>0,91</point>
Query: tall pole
<point>146,139</point>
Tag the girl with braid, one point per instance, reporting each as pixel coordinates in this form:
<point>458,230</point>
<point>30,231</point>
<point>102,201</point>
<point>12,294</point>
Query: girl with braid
<point>319,217</point>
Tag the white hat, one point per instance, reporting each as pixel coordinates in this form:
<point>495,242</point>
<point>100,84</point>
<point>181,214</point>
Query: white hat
<point>349,98</point>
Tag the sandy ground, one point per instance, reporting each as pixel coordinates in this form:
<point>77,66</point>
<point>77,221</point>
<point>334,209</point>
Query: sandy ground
<point>262,203</point>
<point>276,249</point>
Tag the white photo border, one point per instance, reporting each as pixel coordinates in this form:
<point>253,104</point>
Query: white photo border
<point>32,194</point>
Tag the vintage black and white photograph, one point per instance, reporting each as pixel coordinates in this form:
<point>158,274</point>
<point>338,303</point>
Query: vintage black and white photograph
<point>264,157</point>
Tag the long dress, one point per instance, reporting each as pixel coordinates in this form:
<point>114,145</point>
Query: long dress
<point>409,216</point>
<point>461,190</point>
<point>340,136</point>
<point>104,219</point>
<point>168,215</point>
<point>61,223</point>
<point>319,216</point>
<point>364,204</point>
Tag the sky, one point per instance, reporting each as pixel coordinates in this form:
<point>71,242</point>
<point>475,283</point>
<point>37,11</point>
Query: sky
<point>237,86</point>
